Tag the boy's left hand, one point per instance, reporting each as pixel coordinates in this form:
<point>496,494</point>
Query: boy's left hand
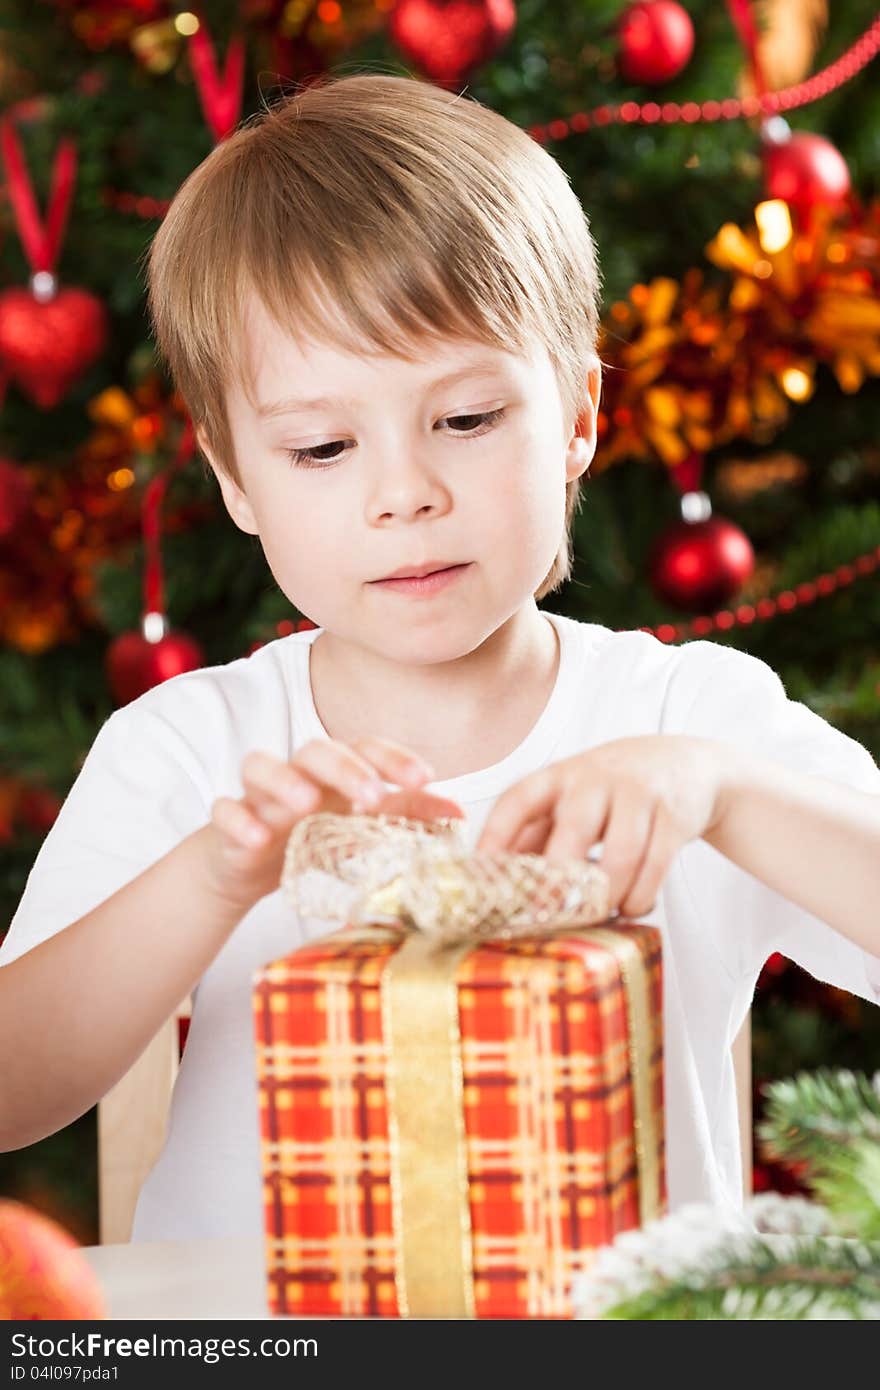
<point>643,797</point>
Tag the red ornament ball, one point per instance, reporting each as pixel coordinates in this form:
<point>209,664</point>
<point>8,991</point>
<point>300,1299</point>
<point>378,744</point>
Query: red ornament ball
<point>46,345</point>
<point>134,665</point>
<point>447,39</point>
<point>38,809</point>
<point>656,41</point>
<point>699,565</point>
<point>15,496</point>
<point>806,171</point>
<point>42,1271</point>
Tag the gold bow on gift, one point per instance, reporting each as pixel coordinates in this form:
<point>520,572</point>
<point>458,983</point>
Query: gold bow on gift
<point>421,873</point>
<point>363,870</point>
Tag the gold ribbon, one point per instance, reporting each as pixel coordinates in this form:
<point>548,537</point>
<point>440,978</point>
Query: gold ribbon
<point>636,989</point>
<point>368,869</point>
<point>427,1140</point>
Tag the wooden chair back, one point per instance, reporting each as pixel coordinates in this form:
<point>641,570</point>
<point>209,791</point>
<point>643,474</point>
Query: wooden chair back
<point>132,1120</point>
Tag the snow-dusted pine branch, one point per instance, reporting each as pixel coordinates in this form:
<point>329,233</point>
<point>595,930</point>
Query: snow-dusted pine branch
<point>780,1257</point>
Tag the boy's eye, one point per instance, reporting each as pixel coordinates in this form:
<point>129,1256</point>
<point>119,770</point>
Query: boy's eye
<point>468,426</point>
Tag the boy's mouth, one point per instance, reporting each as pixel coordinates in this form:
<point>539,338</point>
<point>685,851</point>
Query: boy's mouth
<point>419,571</point>
<point>428,583</point>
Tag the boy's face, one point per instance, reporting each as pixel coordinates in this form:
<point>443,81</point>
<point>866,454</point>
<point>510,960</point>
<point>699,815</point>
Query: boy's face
<point>404,482</point>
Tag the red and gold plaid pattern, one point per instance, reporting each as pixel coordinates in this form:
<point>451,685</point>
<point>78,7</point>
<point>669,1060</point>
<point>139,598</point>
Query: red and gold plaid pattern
<point>548,1106</point>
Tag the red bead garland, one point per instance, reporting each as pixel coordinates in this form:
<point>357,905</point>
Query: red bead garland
<point>765,608</point>
<point>821,84</point>
<point>743,616</point>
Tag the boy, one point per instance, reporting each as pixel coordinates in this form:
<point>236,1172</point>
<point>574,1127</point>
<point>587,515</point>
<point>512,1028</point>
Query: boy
<point>380,303</point>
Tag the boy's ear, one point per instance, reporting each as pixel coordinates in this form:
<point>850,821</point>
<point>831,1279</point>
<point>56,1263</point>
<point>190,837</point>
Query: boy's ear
<point>582,445</point>
<point>235,500</point>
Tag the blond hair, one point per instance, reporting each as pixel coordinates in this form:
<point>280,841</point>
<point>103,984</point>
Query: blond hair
<point>422,213</point>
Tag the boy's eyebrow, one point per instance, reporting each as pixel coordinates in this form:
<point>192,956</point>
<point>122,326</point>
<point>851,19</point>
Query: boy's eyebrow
<point>292,404</point>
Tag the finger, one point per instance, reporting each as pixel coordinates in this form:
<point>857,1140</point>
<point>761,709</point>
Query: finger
<point>396,763</point>
<point>353,774</point>
<point>279,791</point>
<point>239,824</point>
<point>579,821</point>
<point>418,805</point>
<point>534,796</point>
<point>533,836</point>
<point>276,791</point>
<point>661,849</point>
<point>323,773</point>
<point>625,839</point>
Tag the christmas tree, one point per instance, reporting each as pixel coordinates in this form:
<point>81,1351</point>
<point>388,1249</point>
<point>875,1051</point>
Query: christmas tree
<point>726,158</point>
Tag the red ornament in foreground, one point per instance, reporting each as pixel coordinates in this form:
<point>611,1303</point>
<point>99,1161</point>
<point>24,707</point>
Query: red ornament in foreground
<point>807,172</point>
<point>42,1272</point>
<point>656,41</point>
<point>47,343</point>
<point>699,565</point>
<point>447,39</point>
<point>136,662</point>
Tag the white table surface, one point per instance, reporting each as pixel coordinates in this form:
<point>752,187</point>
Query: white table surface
<point>178,1279</point>
<point>214,1279</point>
<point>222,1278</point>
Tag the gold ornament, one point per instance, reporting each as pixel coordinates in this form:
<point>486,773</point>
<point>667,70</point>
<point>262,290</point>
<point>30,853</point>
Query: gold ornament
<point>157,46</point>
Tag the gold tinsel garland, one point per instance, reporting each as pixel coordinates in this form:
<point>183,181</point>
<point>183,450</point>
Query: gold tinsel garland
<point>691,366</point>
<point>83,514</point>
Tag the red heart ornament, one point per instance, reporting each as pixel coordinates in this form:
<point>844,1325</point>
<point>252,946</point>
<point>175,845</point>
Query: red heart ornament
<point>447,38</point>
<point>45,346</point>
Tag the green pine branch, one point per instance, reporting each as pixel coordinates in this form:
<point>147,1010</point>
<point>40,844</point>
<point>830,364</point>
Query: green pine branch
<point>848,1184</point>
<point>811,1278</point>
<point>808,1117</point>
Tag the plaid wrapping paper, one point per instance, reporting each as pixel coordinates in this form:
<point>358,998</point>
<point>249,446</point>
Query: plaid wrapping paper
<point>552,1168</point>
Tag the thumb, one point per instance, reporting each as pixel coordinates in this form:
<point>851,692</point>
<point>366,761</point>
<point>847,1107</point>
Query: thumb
<point>416,804</point>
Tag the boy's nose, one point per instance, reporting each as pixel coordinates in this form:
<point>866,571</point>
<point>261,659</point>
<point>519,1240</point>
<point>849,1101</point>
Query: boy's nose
<point>406,490</point>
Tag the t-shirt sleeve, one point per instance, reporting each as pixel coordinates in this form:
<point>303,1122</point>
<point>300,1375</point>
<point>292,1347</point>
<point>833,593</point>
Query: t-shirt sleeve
<point>139,792</point>
<point>742,700</point>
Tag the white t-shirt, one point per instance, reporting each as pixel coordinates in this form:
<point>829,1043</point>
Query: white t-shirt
<point>157,765</point>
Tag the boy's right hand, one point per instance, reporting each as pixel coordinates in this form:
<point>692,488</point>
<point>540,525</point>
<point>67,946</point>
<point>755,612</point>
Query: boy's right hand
<point>246,850</point>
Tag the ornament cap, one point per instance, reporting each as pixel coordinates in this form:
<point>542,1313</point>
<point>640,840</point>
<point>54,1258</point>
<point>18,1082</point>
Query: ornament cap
<point>775,130</point>
<point>154,626</point>
<point>44,286</point>
<point>695,506</point>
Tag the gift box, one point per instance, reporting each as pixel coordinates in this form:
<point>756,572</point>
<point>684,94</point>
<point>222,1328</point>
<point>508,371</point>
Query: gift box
<point>461,1089</point>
